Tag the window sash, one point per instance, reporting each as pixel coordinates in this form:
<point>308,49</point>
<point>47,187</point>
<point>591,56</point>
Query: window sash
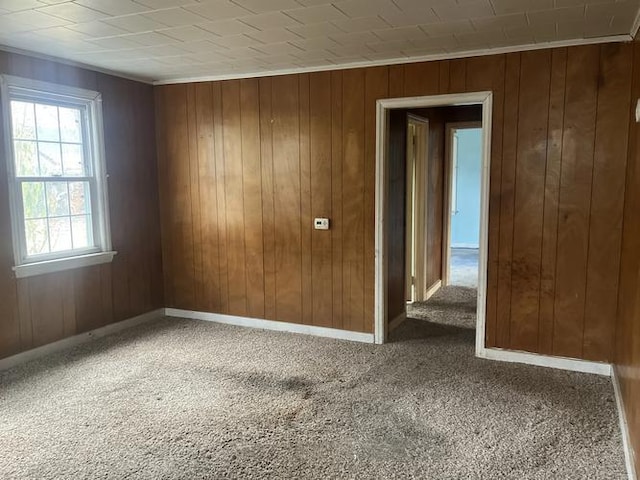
<point>89,103</point>
<point>20,212</point>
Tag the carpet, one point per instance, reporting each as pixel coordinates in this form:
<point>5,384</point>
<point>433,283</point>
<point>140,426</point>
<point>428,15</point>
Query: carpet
<point>182,399</point>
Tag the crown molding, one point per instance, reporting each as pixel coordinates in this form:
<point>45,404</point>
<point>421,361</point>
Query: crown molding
<point>403,60</point>
<point>71,63</point>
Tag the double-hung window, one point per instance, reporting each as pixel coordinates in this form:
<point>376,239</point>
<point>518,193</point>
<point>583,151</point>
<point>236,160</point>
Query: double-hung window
<point>57,177</point>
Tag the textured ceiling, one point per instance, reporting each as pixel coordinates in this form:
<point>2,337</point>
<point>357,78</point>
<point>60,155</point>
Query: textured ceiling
<point>167,40</point>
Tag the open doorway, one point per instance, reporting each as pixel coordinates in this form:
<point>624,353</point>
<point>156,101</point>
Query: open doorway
<point>463,182</point>
<point>401,274</point>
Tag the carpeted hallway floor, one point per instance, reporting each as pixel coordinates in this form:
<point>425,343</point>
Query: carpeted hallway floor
<point>182,399</point>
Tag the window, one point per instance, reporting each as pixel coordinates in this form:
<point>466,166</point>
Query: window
<point>57,179</point>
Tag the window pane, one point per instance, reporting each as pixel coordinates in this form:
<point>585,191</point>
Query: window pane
<point>47,122</point>
<point>72,160</point>
<point>23,120</point>
<point>26,154</point>
<point>82,230</point>
<point>50,159</point>
<point>33,200</point>
<point>70,125</point>
<point>60,234</point>
<point>57,199</point>
<point>36,236</point>
<point>80,198</point>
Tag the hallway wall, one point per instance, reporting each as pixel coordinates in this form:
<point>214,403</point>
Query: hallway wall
<point>465,217</point>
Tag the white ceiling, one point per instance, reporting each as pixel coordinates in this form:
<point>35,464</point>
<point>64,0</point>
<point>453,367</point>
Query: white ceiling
<point>165,40</point>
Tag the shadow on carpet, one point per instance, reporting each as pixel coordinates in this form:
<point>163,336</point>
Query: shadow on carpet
<point>182,399</point>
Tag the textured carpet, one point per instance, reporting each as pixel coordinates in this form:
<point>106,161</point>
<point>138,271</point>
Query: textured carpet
<point>182,399</point>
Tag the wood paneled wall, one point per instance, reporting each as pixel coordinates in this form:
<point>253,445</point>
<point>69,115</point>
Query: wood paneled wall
<point>245,165</point>
<point>396,214</point>
<point>627,360</point>
<point>42,309</point>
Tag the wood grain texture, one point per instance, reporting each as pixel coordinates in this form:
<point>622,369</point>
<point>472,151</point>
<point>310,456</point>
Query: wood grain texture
<point>576,178</point>
<point>627,344</point>
<point>531,151</point>
<point>555,209</point>
<point>46,308</point>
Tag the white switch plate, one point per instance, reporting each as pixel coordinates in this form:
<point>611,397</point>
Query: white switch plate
<point>321,223</point>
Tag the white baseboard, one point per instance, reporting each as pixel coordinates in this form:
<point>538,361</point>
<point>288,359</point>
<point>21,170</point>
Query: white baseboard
<point>433,289</point>
<point>562,363</point>
<point>79,339</point>
<point>396,322</point>
<point>271,325</point>
<point>471,246</point>
<point>624,427</point>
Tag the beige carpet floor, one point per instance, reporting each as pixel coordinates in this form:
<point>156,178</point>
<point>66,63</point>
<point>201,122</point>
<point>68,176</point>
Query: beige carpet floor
<point>180,399</point>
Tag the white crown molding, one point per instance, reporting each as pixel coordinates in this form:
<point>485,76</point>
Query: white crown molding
<point>79,339</point>
<point>72,63</point>
<point>403,60</point>
<point>636,25</point>
<point>271,325</point>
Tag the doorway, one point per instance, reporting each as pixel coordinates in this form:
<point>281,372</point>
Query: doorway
<point>389,195</point>
<point>463,181</point>
<point>416,207</point>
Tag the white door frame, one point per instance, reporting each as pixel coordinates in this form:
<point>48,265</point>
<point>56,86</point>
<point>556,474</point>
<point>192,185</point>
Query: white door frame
<point>382,109</point>
<point>417,213</point>
<point>449,153</point>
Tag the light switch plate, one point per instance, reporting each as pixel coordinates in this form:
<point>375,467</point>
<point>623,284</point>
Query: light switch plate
<point>321,223</point>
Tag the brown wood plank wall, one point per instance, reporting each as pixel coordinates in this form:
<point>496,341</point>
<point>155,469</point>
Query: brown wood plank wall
<point>42,309</point>
<point>627,328</point>
<point>560,119</point>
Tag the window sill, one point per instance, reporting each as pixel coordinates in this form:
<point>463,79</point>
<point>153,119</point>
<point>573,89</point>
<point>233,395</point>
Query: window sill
<point>61,264</point>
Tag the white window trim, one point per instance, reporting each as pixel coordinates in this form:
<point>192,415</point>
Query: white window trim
<point>25,267</point>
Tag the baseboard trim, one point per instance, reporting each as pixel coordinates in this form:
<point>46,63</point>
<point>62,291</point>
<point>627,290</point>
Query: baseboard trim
<point>624,427</point>
<point>396,322</point>
<point>562,363</point>
<point>271,325</point>
<point>466,246</point>
<point>432,290</point>
<point>79,339</point>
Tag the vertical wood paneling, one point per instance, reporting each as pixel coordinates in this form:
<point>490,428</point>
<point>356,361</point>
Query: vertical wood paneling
<point>535,73</point>
<point>376,87</point>
<point>234,197</point>
<point>305,200</point>
<point>421,79</point>
<point>338,228</point>
<point>268,220</point>
<point>195,199</point>
<point>551,196</point>
<point>507,198</point>
<point>489,74</point>
<point>607,200</point>
<point>321,190</point>
<point>353,199</point>
<point>286,175</point>
<point>556,128</point>
<point>575,199</point>
<point>218,136</point>
<point>457,75</point>
<point>42,309</point>
<point>252,189</point>
<point>208,196</point>
<point>627,344</point>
